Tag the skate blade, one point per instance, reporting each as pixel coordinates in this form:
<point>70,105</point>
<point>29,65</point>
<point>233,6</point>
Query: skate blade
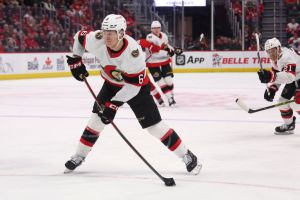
<point>284,133</point>
<point>67,171</point>
<point>196,170</point>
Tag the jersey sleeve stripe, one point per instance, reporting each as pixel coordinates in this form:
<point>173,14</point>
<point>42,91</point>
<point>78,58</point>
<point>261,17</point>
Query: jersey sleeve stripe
<point>82,37</point>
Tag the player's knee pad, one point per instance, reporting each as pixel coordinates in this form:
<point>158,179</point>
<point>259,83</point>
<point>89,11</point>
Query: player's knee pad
<point>95,124</point>
<point>158,130</point>
<point>285,106</point>
<point>161,83</point>
<point>169,80</point>
<point>285,110</point>
<point>166,135</point>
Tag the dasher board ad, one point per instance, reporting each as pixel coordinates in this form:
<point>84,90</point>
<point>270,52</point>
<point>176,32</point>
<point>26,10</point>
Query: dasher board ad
<point>220,59</point>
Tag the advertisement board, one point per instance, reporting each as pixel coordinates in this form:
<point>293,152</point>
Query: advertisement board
<point>219,60</point>
<point>39,65</point>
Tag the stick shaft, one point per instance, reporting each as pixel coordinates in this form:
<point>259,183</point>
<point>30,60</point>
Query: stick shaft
<point>122,136</point>
<point>271,106</point>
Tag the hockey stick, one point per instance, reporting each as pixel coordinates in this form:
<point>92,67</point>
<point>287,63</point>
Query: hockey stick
<point>148,57</point>
<point>167,181</point>
<point>201,37</point>
<point>250,110</point>
<point>259,60</point>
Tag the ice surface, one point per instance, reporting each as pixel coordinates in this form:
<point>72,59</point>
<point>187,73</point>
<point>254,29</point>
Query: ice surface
<point>41,121</point>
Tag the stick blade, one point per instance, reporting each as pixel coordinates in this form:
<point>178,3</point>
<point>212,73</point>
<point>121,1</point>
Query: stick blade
<point>242,105</point>
<point>169,182</point>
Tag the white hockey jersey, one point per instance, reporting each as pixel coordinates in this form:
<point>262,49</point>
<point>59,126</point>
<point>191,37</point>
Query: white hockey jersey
<point>125,68</point>
<point>287,67</point>
<point>161,57</point>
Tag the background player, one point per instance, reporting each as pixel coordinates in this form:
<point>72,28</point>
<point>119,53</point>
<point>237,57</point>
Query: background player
<point>159,63</point>
<point>285,70</point>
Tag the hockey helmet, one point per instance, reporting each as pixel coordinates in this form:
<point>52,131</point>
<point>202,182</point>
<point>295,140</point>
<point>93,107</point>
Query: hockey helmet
<point>271,43</point>
<point>114,22</point>
<point>155,24</point>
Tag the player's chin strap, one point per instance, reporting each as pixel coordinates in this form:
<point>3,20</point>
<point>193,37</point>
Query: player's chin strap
<point>167,181</point>
<point>121,36</point>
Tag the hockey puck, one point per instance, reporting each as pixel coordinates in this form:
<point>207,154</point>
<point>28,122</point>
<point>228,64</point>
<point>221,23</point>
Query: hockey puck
<point>169,182</point>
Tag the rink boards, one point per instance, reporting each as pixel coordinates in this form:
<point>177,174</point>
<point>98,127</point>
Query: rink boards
<point>44,65</point>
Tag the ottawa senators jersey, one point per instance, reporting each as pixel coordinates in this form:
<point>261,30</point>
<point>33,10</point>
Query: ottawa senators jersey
<point>161,57</point>
<point>287,67</point>
<point>124,68</point>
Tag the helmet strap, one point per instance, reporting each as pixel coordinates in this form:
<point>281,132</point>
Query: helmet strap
<point>121,35</point>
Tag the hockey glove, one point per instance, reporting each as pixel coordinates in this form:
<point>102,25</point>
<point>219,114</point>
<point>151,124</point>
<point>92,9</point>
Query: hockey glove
<point>269,95</point>
<point>166,48</point>
<point>109,112</point>
<point>77,67</point>
<point>266,76</point>
<point>178,51</point>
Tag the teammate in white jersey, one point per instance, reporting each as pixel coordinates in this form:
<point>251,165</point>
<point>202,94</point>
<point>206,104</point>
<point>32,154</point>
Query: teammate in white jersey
<point>125,81</point>
<point>285,70</point>
<point>159,63</point>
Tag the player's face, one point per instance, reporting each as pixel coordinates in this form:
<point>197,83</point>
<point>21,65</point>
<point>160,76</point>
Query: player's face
<point>155,30</point>
<point>110,38</point>
<point>273,53</point>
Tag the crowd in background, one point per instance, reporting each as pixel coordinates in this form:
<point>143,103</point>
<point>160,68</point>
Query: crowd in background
<point>41,26</point>
<point>293,27</point>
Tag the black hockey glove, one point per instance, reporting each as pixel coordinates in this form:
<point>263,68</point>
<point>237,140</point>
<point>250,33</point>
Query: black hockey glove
<point>109,112</point>
<point>266,76</point>
<point>178,51</point>
<point>166,48</point>
<point>77,67</point>
<point>269,95</point>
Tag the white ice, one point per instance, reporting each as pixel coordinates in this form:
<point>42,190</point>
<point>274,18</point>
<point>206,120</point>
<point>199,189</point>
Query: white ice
<point>41,121</point>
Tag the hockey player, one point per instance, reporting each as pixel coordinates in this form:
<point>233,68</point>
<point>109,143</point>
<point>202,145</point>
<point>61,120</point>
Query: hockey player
<point>125,81</point>
<point>152,48</point>
<point>285,70</point>
<point>159,63</point>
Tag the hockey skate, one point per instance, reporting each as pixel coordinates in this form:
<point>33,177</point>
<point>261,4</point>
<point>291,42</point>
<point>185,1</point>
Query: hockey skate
<point>172,102</point>
<point>73,163</point>
<point>192,165</point>
<point>286,129</point>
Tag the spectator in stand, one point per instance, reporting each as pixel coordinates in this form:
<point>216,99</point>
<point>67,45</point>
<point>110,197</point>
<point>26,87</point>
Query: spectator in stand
<point>253,46</point>
<point>30,43</point>
<point>43,41</point>
<point>67,46</point>
<point>2,50</point>
<point>11,45</point>
<point>236,44</point>
<point>294,12</point>
<point>49,6</point>
<point>292,27</point>
<point>237,8</point>
<point>219,44</point>
<point>294,42</point>
<point>291,3</point>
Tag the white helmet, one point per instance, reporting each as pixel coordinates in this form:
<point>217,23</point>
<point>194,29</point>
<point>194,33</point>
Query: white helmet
<point>155,24</point>
<point>114,23</point>
<point>271,43</point>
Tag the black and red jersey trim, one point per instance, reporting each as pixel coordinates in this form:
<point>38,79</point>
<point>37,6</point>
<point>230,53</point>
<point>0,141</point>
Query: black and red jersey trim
<point>138,79</point>
<point>82,37</point>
